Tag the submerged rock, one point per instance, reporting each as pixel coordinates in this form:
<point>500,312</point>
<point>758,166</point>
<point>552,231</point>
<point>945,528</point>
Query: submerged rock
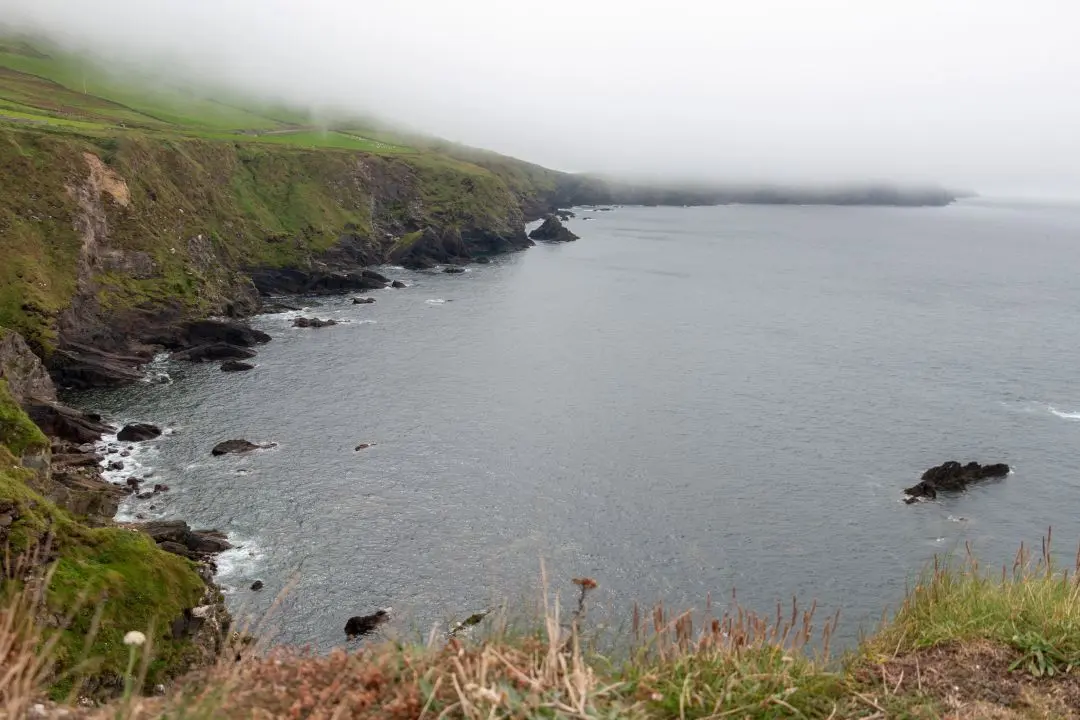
<point>453,270</point>
<point>138,432</point>
<point>236,366</point>
<point>552,230</point>
<point>398,284</point>
<point>257,585</point>
<point>364,446</point>
<point>483,260</point>
<point>303,322</point>
<point>363,301</point>
<point>237,447</point>
<point>952,476</point>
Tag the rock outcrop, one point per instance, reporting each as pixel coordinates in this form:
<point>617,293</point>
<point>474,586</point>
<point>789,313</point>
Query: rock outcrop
<point>363,301</point>
<point>361,625</point>
<point>552,230</point>
<point>303,322</point>
<point>238,447</point>
<point>214,352</point>
<point>177,537</point>
<point>138,432</point>
<point>303,282</point>
<point>952,476</point>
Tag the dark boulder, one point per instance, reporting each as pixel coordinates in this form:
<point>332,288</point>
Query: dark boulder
<point>82,367</point>
<point>361,625</point>
<point>236,366</point>
<point>138,432</point>
<point>363,301</point>
<point>116,465</point>
<point>453,270</point>
<point>364,446</point>
<point>952,476</point>
<point>62,422</point>
<point>303,322</point>
<point>160,488</point>
<point>552,230</point>
<point>237,447</point>
<point>257,585</point>
<point>213,352</point>
<point>301,282</point>
<point>209,332</point>
<point>483,260</point>
<point>565,215</point>
<point>398,284</point>
<point>207,542</point>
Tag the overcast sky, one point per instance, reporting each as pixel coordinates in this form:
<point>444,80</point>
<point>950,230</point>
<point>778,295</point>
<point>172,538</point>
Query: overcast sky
<point>979,93</point>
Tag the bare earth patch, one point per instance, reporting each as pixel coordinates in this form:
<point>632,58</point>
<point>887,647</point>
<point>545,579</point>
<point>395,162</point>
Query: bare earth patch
<point>973,681</point>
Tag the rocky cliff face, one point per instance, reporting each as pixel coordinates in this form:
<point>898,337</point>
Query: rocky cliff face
<point>108,247</point>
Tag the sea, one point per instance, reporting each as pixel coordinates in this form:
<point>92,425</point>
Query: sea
<point>684,404</point>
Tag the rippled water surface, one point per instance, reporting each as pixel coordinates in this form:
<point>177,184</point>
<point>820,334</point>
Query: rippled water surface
<point>685,401</point>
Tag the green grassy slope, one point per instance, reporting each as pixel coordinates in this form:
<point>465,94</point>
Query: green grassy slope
<point>216,185</point>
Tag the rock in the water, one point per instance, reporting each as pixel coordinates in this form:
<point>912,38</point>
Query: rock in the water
<point>137,432</point>
<point>237,446</point>
<point>257,585</point>
<point>952,476</point>
<point>365,624</point>
<point>236,366</point>
<point>274,308</point>
<point>364,446</point>
<point>116,465</point>
<point>160,488</point>
<point>398,284</point>
<point>214,351</point>
<point>453,270</point>
<point>209,332</point>
<point>552,230</point>
<point>301,282</point>
<point>363,301</point>
<point>483,260</point>
<point>312,322</point>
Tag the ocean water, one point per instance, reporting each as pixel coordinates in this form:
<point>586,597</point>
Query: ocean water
<point>683,403</point>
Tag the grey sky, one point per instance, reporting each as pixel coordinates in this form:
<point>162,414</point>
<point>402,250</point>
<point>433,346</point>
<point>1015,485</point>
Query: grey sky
<point>979,93</point>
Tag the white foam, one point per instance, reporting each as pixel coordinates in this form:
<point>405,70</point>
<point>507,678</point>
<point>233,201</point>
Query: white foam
<point>1064,415</point>
<point>237,563</point>
<point>435,301</point>
<point>957,518</point>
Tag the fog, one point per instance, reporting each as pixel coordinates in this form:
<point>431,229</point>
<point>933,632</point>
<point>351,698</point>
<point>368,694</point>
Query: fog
<point>982,94</point>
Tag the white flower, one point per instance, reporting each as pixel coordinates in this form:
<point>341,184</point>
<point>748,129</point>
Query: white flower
<point>134,637</point>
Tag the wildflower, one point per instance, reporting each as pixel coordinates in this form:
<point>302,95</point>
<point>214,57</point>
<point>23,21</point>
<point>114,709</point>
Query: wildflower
<point>585,583</point>
<point>135,638</point>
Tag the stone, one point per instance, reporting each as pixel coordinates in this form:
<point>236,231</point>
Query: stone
<point>236,366</point>
<point>361,625</point>
<point>363,301</point>
<point>552,230</point>
<point>237,447</point>
<point>364,446</point>
<point>952,476</point>
<point>257,585</point>
<point>398,284</point>
<point>303,322</point>
<point>160,488</point>
<point>453,270</point>
<point>138,432</point>
<point>214,351</point>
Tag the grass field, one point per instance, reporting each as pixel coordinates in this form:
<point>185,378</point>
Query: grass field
<point>53,89</point>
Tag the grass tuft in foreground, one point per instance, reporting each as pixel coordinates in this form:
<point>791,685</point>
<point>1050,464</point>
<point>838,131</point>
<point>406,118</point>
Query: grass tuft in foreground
<point>965,644</point>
